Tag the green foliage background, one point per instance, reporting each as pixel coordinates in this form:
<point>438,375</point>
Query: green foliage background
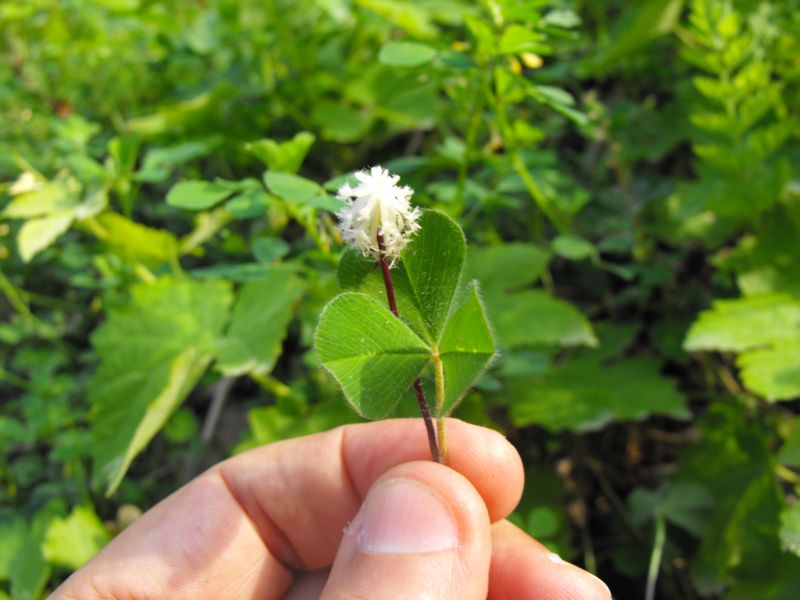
<point>626,177</point>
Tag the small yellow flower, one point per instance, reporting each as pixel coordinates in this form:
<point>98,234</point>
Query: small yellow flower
<point>531,60</point>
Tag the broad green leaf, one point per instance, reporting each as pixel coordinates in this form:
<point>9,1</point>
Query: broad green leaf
<point>587,392</point>
<point>406,54</point>
<point>283,156</point>
<point>258,325</point>
<point>136,242</point>
<point>573,247</point>
<point>433,263</point>
<point>37,234</point>
<point>153,350</point>
<point>197,195</point>
<point>506,267</point>
<point>533,317</point>
<point>291,187</point>
<point>790,529</point>
<point>71,541</point>
<point>466,349</point>
<point>735,325</point>
<point>371,353</point>
<point>774,372</point>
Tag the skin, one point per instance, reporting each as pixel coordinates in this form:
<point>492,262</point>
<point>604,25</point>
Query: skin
<point>271,523</point>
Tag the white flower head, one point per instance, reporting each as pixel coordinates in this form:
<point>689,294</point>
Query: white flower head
<point>377,206</point>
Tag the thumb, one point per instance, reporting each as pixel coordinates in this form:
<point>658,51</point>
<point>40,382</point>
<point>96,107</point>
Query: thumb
<point>422,531</point>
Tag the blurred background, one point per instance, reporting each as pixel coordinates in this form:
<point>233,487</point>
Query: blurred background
<point>627,178</point>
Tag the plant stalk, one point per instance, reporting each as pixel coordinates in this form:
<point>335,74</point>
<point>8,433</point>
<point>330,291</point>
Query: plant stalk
<point>438,377</point>
<point>423,404</point>
<point>655,558</point>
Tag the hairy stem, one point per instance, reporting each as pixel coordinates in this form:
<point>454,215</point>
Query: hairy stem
<point>438,376</point>
<point>423,404</point>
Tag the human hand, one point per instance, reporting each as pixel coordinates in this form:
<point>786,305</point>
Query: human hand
<point>351,513</point>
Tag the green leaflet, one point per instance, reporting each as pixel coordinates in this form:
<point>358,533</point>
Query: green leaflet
<point>435,317</point>
<point>372,354</point>
<point>466,348</point>
<point>152,353</point>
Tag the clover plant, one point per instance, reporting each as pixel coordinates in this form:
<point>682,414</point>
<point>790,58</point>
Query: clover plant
<point>405,309</point>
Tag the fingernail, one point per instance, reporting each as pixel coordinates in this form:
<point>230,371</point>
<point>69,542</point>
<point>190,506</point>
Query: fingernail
<point>402,516</point>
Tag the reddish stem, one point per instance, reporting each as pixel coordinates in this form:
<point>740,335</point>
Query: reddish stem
<point>423,404</point>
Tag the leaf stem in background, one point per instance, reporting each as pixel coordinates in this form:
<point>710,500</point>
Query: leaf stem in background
<point>423,404</point>
<point>438,377</point>
<point>655,558</point>
<point>15,298</point>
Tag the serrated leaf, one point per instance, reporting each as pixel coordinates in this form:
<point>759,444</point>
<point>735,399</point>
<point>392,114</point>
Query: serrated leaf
<point>467,347</point>
<point>152,352</point>
<point>73,540</point>
<point>258,325</point>
<point>586,393</point>
<point>735,325</point>
<point>373,355</point>
<point>406,54</point>
<point>197,195</point>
